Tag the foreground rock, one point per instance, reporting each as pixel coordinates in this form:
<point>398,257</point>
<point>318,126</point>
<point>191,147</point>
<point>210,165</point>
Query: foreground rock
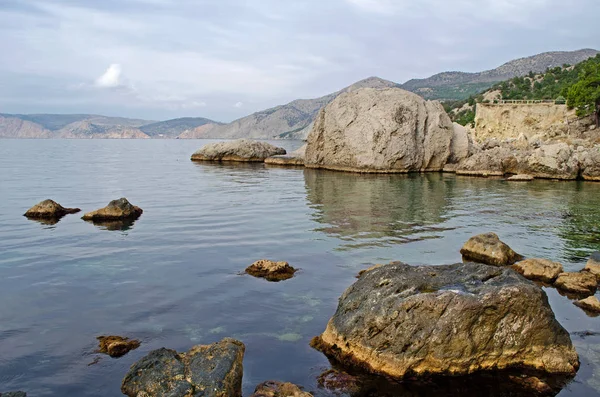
<point>590,303</point>
<point>521,178</point>
<point>209,371</point>
<point>238,150</point>
<point>270,270</point>
<point>279,389</point>
<point>116,210</point>
<point>380,130</point>
<point>487,248</point>
<point>593,265</point>
<point>49,209</point>
<point>399,320</point>
<point>116,346</point>
<point>581,283</point>
<point>539,269</point>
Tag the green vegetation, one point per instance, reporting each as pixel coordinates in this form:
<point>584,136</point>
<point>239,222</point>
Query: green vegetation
<point>578,86</point>
<point>584,95</point>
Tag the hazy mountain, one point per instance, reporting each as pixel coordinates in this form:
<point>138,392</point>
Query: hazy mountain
<point>460,85</point>
<point>174,128</point>
<point>292,121</point>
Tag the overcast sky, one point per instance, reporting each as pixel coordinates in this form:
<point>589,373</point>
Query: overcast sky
<point>224,59</point>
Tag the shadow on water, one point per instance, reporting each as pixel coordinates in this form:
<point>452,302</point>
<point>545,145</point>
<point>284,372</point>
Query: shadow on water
<point>120,225</point>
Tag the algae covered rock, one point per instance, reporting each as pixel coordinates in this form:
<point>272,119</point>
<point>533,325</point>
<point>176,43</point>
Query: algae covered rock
<point>270,270</point>
<point>49,209</point>
<point>206,370</point>
<point>487,248</point>
<point>539,269</point>
<point>245,150</point>
<point>116,210</point>
<point>116,346</point>
<point>399,320</point>
<point>279,389</point>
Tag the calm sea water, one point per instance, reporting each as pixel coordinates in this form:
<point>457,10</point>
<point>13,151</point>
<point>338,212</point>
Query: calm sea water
<point>172,278</point>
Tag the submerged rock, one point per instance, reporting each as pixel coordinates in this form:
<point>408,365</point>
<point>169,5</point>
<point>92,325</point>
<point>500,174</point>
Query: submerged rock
<point>49,209</point>
<point>590,303</point>
<point>521,178</point>
<point>116,346</point>
<point>581,283</point>
<point>539,269</point>
<point>206,370</point>
<point>487,248</point>
<point>380,130</point>
<point>270,270</point>
<point>593,265</point>
<point>279,389</point>
<point>400,320</point>
<point>116,210</point>
<point>238,150</point>
<point>14,394</point>
<point>339,382</point>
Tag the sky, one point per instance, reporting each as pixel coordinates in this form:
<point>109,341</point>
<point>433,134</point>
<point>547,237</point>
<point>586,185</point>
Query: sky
<point>224,59</point>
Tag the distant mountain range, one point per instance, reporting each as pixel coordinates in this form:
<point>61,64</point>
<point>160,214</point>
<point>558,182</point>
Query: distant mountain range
<point>291,121</point>
<point>460,85</point>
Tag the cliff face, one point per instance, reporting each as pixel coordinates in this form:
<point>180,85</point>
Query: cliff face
<point>12,127</point>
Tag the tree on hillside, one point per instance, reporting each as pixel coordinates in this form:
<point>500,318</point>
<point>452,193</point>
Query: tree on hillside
<point>585,94</point>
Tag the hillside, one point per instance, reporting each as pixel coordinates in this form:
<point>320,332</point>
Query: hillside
<point>175,127</point>
<point>461,85</point>
<point>290,121</point>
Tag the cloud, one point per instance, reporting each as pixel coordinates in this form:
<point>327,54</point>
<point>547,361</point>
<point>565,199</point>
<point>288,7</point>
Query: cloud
<point>238,105</point>
<point>111,78</point>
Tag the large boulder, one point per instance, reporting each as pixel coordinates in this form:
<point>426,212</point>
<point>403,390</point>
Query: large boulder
<point>49,209</point>
<point>495,161</point>
<point>245,150</point>
<point>590,164</point>
<point>279,389</point>
<point>380,130</point>
<point>461,145</point>
<point>539,269</point>
<point>206,370</point>
<point>487,248</point>
<point>554,161</point>
<point>116,210</point>
<point>399,320</point>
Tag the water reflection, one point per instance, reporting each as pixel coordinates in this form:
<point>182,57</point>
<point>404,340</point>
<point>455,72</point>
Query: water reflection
<point>378,210</point>
<point>118,225</point>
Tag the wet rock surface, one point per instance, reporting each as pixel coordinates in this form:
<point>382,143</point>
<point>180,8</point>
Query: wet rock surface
<point>539,269</point>
<point>245,150</point>
<point>581,283</point>
<point>487,248</point>
<point>116,210</point>
<point>116,346</point>
<point>50,210</point>
<point>590,304</point>
<point>401,321</point>
<point>279,389</point>
<point>206,370</point>
<point>270,270</point>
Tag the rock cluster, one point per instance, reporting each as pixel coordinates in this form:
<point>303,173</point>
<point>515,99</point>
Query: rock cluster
<point>244,150</point>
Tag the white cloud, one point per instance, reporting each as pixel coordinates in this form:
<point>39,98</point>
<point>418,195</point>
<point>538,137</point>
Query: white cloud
<point>111,77</point>
<point>238,105</point>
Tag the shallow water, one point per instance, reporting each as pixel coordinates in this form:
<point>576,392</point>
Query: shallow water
<point>172,278</point>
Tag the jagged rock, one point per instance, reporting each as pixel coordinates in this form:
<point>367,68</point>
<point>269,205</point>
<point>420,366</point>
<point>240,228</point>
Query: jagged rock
<point>49,209</point>
<point>581,283</point>
<point>380,130</point>
<point>539,269</point>
<point>120,209</point>
<point>245,150</point>
<point>279,389</point>
<point>487,248</point>
<point>296,158</point>
<point>270,270</point>
<point>116,346</point>
<point>590,303</point>
<point>555,161</point>
<point>206,370</point>
<point>400,320</point>
<point>593,265</point>
<point>491,162</point>
<point>521,178</point>
<point>460,147</point>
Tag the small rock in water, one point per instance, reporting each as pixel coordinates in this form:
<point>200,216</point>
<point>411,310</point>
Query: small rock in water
<point>487,248</point>
<point>245,150</point>
<point>582,283</point>
<point>270,270</point>
<point>49,209</point>
<point>206,370</point>
<point>521,178</point>
<point>116,346</point>
<point>279,389</point>
<point>590,303</point>
<point>120,209</point>
<point>539,269</point>
<point>593,265</point>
